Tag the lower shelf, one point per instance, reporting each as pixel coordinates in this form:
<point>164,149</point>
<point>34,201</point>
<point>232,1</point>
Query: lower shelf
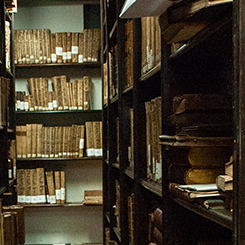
<point>222,217</point>
<point>45,205</point>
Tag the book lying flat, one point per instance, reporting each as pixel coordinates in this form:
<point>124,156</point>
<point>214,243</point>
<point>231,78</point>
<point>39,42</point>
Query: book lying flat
<point>191,192</point>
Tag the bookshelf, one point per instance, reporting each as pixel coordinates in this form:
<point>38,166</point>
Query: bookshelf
<point>72,221</point>
<point>205,63</point>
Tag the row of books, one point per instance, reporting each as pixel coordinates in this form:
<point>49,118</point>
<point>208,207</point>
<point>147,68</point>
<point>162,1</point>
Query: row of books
<point>39,141</point>
<point>40,186</point>
<point>58,94</point>
<point>4,95</point>
<point>153,112</point>
<point>151,43</point>
<point>40,46</point>
<point>129,53</point>
<point>12,228</point>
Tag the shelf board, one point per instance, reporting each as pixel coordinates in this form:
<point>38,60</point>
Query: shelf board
<point>129,172</point>
<point>152,186</point>
<point>2,190</point>
<point>128,90</point>
<point>114,99</point>
<point>117,233</point>
<point>38,159</point>
<point>113,30</point>
<point>151,72</point>
<point>65,205</point>
<point>85,64</point>
<point>58,112</point>
<point>30,3</point>
<point>222,217</point>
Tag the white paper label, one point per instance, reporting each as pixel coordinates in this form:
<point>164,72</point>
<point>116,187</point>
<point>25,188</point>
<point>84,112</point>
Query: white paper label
<point>80,58</point>
<point>62,194</point>
<point>81,144</point>
<point>53,58</point>
<point>74,49</point>
<point>59,51</point>
<point>90,152</point>
<point>52,199</point>
<point>22,199</point>
<point>98,152</point>
<point>58,194</point>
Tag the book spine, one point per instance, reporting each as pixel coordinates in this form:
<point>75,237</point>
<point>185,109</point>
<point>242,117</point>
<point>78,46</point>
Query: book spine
<point>74,47</point>
<point>59,49</point>
<point>41,198</point>
<point>89,139</point>
<point>68,47</point>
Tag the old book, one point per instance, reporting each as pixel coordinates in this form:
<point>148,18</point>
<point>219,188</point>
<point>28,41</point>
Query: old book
<point>195,151</point>
<point>44,46</point>
<point>28,185</point>
<point>41,198</point>
<point>64,141</point>
<point>80,88</point>
<point>157,218</point>
<point>64,47</point>
<point>36,45</point>
<point>39,140</point>
<point>41,47</point>
<point>33,181</point>
<point>225,182</point>
<point>192,192</point>
<point>53,47</point>
<point>48,45</point>
<point>8,221</point>
<point>57,186</point>
<point>61,132</point>
<point>63,81</point>
<point>69,142</point>
<point>74,94</point>
<point>56,80</point>
<point>181,11</point>
<point>18,141</point>
<point>34,140</point>
<point>28,140</point>
<point>74,47</point>
<point>93,197</point>
<point>87,92</point>
<point>21,198</point>
<point>179,32</point>
<point>105,90</point>
<point>59,49</point>
<point>68,46</point>
<point>81,140</point>
<point>80,47</point>
<point>70,95</point>
<point>97,140</point>
<point>189,175</point>
<point>86,45</point>
<point>52,142</point>
<point>23,141</point>
<point>51,187</point>
<point>19,209</point>
<point>89,139</point>
<point>47,141</point>
<point>95,45</point>
<point>44,134</point>
<point>62,187</point>
<point>131,218</point>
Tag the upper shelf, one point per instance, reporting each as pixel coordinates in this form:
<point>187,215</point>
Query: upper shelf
<point>85,64</point>
<point>57,118</point>
<point>55,69</point>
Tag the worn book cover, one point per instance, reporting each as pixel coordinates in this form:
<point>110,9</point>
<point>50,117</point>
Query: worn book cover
<point>68,46</point>
<point>74,47</point>
<point>33,180</point>
<point>41,198</point>
<point>62,187</point>
<point>19,209</point>
<point>89,139</point>
<point>28,185</point>
<point>81,140</point>
<point>21,198</point>
<point>59,48</point>
<point>51,187</point>
<point>80,47</point>
<point>57,186</point>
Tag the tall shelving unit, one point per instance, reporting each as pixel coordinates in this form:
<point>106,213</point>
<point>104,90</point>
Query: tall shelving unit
<point>210,63</point>
<point>7,73</point>
<point>72,222</point>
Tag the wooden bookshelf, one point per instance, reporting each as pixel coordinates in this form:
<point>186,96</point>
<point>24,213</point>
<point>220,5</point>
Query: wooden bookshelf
<point>204,64</point>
